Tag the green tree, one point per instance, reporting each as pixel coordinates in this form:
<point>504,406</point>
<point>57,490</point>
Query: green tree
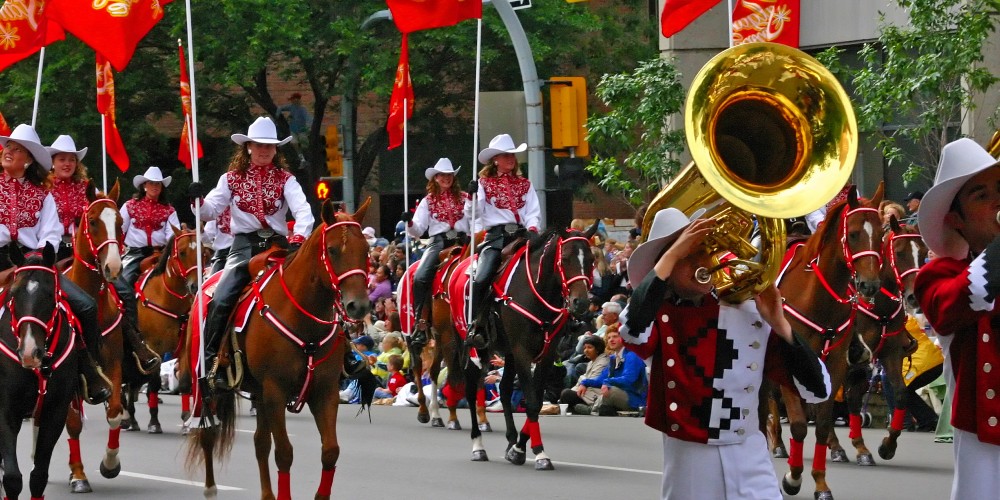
<point>635,148</point>
<point>923,77</point>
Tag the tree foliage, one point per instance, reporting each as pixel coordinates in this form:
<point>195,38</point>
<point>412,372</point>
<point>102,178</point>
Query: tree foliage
<point>635,148</point>
<point>922,78</point>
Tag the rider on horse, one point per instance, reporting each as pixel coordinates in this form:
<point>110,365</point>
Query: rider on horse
<point>147,220</point>
<point>506,204</point>
<point>69,188</point>
<point>219,234</point>
<point>30,219</point>
<point>442,215</point>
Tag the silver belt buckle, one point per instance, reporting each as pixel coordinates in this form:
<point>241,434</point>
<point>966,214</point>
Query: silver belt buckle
<point>451,234</point>
<point>67,239</point>
<point>510,228</point>
<point>265,233</point>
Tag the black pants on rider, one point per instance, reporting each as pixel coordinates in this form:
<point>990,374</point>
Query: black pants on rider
<point>423,280</point>
<point>497,237</point>
<point>218,260</point>
<point>125,286</point>
<point>235,276</point>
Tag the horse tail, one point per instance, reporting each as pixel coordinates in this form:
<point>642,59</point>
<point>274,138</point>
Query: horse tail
<point>215,441</point>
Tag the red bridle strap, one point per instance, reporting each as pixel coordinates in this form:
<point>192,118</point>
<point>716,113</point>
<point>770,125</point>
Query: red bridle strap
<point>890,250</point>
<point>88,236</point>
<point>849,257</point>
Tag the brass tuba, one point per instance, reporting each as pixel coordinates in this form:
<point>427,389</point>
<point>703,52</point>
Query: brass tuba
<point>772,135</point>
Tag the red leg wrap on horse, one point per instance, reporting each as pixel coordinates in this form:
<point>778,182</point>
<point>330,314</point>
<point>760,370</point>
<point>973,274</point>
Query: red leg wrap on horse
<point>898,416</point>
<point>534,432</point>
<point>481,397</point>
<point>153,399</point>
<point>819,457</point>
<point>451,396</point>
<point>855,421</point>
<point>794,453</point>
<point>113,438</point>
<point>284,486</point>
<point>326,482</point>
<point>186,402</point>
<point>74,451</point>
<point>38,498</point>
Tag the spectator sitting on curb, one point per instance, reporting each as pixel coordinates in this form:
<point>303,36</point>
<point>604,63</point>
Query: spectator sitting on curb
<point>581,398</point>
<point>622,383</point>
<point>395,382</point>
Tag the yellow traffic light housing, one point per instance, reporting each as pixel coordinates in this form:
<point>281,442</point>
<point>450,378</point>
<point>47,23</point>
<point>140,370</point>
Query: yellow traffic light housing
<point>330,188</point>
<point>568,110</point>
<point>334,157</point>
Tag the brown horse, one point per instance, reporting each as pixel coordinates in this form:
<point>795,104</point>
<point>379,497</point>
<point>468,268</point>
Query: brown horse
<point>96,263</point>
<point>881,332</point>
<point>165,293</point>
<point>294,345</point>
<point>821,283</point>
<point>444,346</point>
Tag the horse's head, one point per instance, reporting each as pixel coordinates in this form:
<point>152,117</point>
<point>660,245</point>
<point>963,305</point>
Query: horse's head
<point>904,251</point>
<point>99,239</point>
<point>33,311</point>
<point>576,266</point>
<point>180,258</point>
<point>343,254</point>
<point>860,234</point>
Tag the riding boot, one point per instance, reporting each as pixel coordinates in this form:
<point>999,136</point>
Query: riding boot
<point>146,359</point>
<point>478,331</point>
<point>353,364</point>
<point>217,320</point>
<point>95,386</point>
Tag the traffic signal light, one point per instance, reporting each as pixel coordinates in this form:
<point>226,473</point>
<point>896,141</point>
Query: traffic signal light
<point>568,107</point>
<point>334,158</point>
<point>330,188</point>
<point>570,173</point>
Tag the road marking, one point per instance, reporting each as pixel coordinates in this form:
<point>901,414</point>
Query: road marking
<point>246,431</point>
<point>605,467</point>
<point>177,481</point>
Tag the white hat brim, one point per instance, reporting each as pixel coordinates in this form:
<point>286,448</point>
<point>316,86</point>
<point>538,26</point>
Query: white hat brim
<point>644,257</point>
<point>431,172</point>
<point>242,139</point>
<point>38,152</point>
<point>79,154</point>
<point>140,179</point>
<point>487,154</point>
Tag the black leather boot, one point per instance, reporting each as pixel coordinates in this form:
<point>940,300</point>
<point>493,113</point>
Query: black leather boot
<point>353,365</point>
<point>215,325</point>
<point>96,388</point>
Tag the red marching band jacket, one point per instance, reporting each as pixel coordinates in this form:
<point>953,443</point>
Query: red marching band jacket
<point>954,297</point>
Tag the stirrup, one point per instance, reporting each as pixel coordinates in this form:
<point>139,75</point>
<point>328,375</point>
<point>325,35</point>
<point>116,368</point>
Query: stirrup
<point>100,395</point>
<point>216,379</point>
<point>476,340</point>
<point>419,337</point>
<point>151,364</point>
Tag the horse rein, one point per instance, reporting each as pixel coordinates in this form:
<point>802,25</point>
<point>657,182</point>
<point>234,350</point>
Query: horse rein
<point>85,229</point>
<point>900,276</point>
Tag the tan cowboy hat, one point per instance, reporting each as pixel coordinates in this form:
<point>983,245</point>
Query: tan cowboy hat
<point>667,226</point>
<point>500,144</point>
<point>152,174</point>
<point>261,131</point>
<point>26,136</point>
<point>960,161</point>
<point>443,166</point>
<point>65,144</point>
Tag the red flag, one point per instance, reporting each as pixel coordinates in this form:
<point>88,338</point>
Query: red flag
<point>184,153</point>
<point>112,29</point>
<point>106,107</point>
<point>677,14</point>
<point>4,128</point>
<point>414,15</point>
<point>24,29</point>
<point>766,21</point>
<point>401,89</point>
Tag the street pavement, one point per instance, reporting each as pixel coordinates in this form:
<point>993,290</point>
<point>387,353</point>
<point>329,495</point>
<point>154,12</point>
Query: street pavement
<point>394,456</point>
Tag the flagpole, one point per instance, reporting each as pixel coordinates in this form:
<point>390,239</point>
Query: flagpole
<point>104,151</point>
<point>193,139</point>
<point>475,161</point>
<point>731,22</point>
<point>406,166</point>
<point>38,90</point>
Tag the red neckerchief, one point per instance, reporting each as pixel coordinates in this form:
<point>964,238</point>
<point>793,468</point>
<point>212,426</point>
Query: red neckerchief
<point>21,202</point>
<point>71,201</point>
<point>447,208</point>
<point>224,221</point>
<point>506,192</point>
<point>259,190</point>
<point>148,215</point>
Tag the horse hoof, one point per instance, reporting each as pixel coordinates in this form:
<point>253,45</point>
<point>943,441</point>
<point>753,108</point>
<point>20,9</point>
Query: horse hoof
<point>130,426</point>
<point>110,473</point>
<point>480,456</point>
<point>515,457</point>
<point>423,418</point>
<point>185,415</point>
<point>79,485</point>
<point>485,427</point>
<point>453,425</point>
<point>866,459</point>
<point>823,495</point>
<point>544,464</point>
<point>780,452</point>
<point>839,456</point>
<point>154,429</point>
<point>437,422</point>
<point>790,485</point>
<point>886,452</point>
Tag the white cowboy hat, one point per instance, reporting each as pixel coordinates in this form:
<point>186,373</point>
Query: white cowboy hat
<point>500,144</point>
<point>443,166</point>
<point>152,174</point>
<point>26,136</point>
<point>261,131</point>
<point>960,161</point>
<point>65,144</point>
<point>369,234</point>
<point>667,226</point>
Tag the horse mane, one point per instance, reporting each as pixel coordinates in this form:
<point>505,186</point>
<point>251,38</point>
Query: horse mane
<point>543,239</point>
<point>161,263</point>
<point>830,224</point>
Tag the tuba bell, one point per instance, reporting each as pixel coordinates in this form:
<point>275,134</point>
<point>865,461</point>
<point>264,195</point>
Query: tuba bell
<point>772,135</point>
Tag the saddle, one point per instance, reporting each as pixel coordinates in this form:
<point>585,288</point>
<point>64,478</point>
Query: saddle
<point>149,262</point>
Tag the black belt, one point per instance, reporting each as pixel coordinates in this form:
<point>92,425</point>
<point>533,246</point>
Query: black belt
<point>508,229</point>
<point>263,238</point>
<point>451,236</point>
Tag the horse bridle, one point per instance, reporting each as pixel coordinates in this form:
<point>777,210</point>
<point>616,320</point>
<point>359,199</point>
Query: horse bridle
<point>53,326</point>
<point>88,235</point>
<point>174,265</point>
<point>900,276</point>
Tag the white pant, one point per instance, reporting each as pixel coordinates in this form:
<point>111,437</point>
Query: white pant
<point>977,468</point>
<point>725,472</point>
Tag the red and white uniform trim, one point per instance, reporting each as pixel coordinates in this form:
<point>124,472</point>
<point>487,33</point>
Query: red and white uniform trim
<point>260,198</point>
<point>147,223</point>
<point>507,199</point>
<point>71,202</point>
<point>29,215</point>
<point>440,213</point>
<point>218,232</point>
